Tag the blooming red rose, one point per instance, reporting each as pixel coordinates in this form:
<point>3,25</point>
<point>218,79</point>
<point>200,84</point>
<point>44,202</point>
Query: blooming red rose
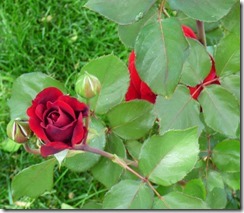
<point>57,119</point>
<point>138,89</point>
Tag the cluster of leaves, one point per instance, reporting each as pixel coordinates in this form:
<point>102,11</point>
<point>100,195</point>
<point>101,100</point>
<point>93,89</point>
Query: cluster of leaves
<point>188,149</point>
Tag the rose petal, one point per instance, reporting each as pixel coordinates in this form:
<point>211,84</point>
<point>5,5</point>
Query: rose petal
<point>132,93</point>
<point>135,79</point>
<point>35,126</point>
<point>147,94</point>
<point>75,104</point>
<point>79,131</point>
<point>212,75</point>
<point>59,104</point>
<point>64,114</point>
<point>53,148</point>
<point>63,134</point>
<point>40,108</point>
<point>49,94</point>
<point>188,32</point>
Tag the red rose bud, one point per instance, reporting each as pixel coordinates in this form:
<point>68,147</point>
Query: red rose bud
<point>57,119</point>
<point>19,131</point>
<point>137,88</point>
<point>188,32</point>
<point>87,85</point>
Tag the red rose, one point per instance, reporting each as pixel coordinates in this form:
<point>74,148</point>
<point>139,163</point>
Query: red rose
<point>137,89</point>
<point>57,119</point>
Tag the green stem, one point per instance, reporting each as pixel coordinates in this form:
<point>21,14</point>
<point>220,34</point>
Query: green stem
<point>201,32</point>
<point>30,150</point>
<point>119,161</point>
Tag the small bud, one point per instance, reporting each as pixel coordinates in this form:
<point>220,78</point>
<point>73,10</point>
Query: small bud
<point>19,130</point>
<point>87,86</point>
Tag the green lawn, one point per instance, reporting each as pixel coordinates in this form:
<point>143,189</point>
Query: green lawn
<point>56,38</point>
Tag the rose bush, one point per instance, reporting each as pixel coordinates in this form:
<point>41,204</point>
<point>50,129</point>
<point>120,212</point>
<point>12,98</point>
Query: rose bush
<point>143,137</point>
<point>57,119</point>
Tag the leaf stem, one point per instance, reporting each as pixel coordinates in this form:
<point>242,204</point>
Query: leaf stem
<point>162,10</point>
<point>201,32</point>
<point>30,150</point>
<point>202,85</point>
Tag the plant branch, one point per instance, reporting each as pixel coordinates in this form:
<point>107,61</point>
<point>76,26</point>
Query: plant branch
<point>201,32</point>
<point>121,162</point>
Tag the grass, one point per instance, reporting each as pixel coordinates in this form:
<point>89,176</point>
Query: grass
<point>56,38</point>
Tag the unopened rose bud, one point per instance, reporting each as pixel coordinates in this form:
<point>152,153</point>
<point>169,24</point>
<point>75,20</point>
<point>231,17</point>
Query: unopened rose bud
<point>18,130</point>
<point>87,86</point>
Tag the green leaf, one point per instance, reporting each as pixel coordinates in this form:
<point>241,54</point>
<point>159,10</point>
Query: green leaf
<point>232,179</point>
<point>180,111</point>
<point>82,161</point>
<point>197,65</point>
<point>106,171</point>
<point>92,205</point>
<point>121,12</point>
<point>179,200</point>
<point>134,148</point>
<point>206,10</point>
<point>128,33</point>
<point>131,120</point>
<point>226,156</point>
<point>168,158</point>
<point>66,206</point>
<point>216,198</point>
<point>25,89</point>
<point>220,110</point>
<point>232,84</point>
<point>9,145</point>
<point>227,55</point>
<point>231,22</point>
<point>214,180</point>
<point>195,188</point>
<point>114,78</point>
<point>213,37</point>
<point>34,180</point>
<point>157,47</point>
<point>129,194</point>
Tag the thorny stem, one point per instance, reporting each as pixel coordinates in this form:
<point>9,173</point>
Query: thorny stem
<point>201,32</point>
<point>30,150</point>
<point>121,162</point>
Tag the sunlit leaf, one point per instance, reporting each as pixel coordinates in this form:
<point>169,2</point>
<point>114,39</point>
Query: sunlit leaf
<point>34,180</point>
<point>220,109</point>
<point>168,158</point>
<point>121,12</point>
